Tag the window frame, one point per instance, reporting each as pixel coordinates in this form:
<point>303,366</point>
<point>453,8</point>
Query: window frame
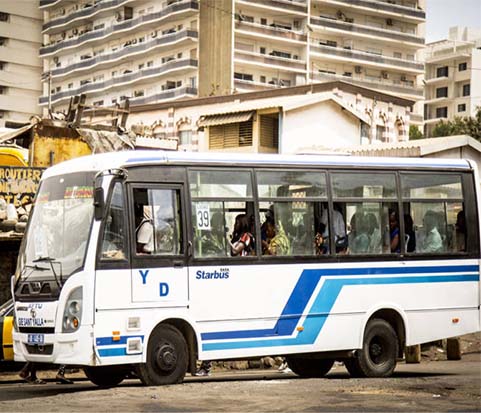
<point>151,260</point>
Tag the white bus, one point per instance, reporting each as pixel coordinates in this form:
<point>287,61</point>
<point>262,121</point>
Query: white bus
<point>133,261</point>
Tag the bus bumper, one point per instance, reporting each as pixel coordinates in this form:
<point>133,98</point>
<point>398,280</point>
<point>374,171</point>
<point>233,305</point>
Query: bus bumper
<point>73,348</point>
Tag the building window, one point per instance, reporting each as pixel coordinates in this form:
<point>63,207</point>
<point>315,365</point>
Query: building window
<point>4,17</point>
<point>442,71</point>
<point>3,90</point>
<point>231,135</point>
<point>139,93</point>
<point>98,103</point>
<point>150,63</point>
<point>442,92</point>
<point>141,66</point>
<point>3,41</point>
<point>466,89</point>
<point>243,76</point>
<point>442,112</point>
<point>462,107</point>
<point>3,65</point>
<point>185,137</point>
<point>462,66</point>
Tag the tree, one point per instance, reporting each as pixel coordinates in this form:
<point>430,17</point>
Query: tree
<point>467,125</point>
<point>415,133</point>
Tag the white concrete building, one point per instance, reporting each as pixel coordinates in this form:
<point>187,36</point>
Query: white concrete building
<point>20,66</point>
<point>298,119</point>
<point>453,76</point>
<point>153,51</point>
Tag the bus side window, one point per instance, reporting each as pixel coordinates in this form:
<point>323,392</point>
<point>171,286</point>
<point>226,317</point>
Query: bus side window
<point>158,228</point>
<point>113,237</point>
<point>435,207</point>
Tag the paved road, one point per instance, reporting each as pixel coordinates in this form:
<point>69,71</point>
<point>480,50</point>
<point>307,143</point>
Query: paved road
<point>429,386</point>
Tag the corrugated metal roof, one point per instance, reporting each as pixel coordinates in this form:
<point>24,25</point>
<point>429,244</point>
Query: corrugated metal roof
<point>415,148</point>
<point>222,119</point>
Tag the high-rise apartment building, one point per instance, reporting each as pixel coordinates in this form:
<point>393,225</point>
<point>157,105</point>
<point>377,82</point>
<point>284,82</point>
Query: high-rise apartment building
<point>20,66</point>
<point>151,51</point>
<point>453,77</point>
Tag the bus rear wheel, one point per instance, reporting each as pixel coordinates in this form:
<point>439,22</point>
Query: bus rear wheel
<point>105,376</point>
<point>309,367</point>
<point>166,357</point>
<point>378,355</point>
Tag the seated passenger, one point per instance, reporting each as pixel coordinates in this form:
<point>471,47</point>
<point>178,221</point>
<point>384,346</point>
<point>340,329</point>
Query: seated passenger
<point>242,242</point>
<point>320,242</point>
<point>394,232</point>
<point>213,241</point>
<point>410,233</point>
<point>145,232</point>
<point>278,243</point>
<point>432,238</point>
<point>460,234</point>
<point>358,238</point>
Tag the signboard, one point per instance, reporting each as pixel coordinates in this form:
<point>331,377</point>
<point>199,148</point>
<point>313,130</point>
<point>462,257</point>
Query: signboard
<point>18,185</point>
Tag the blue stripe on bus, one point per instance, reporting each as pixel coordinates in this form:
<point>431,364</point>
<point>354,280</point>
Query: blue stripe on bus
<point>109,341</point>
<point>112,352</point>
<point>325,300</point>
<point>304,289</point>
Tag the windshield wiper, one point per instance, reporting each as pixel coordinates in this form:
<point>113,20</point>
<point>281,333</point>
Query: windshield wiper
<point>33,268</point>
<point>51,261</point>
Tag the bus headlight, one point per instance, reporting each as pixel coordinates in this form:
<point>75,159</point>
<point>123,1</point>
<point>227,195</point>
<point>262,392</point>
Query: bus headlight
<point>72,315</point>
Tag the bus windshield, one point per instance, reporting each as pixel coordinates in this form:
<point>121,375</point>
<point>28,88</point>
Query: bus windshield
<point>56,240</point>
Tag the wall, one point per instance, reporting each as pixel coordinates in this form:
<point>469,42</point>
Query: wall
<point>324,124</point>
<point>8,262</point>
<point>215,47</point>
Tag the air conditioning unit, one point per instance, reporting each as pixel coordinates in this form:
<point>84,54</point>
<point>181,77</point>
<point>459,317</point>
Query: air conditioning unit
<point>55,59</point>
<point>75,31</point>
<point>64,35</point>
<point>295,57</point>
<point>403,78</point>
<point>385,75</point>
<point>118,16</point>
<point>389,22</point>
<point>358,69</point>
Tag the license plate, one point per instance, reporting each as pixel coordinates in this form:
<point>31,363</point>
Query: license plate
<point>35,339</point>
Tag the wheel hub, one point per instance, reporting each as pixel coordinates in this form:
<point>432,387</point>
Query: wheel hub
<point>166,357</point>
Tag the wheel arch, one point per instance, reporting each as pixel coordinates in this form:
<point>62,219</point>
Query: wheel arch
<point>190,337</point>
<point>395,317</point>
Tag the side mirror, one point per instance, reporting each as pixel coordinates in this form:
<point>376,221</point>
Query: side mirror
<point>99,204</point>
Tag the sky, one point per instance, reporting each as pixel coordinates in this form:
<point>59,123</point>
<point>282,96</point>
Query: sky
<point>443,14</point>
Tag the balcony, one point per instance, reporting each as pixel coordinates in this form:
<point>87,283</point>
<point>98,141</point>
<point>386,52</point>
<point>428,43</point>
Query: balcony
<point>383,7</point>
<point>62,23</point>
<point>273,62</point>
<point>296,7</point>
<point>126,79</point>
<point>383,85</point>
<point>116,57</point>
<point>45,4</point>
<point>360,56</point>
<point>363,30</point>
<point>170,94</point>
<point>251,86</point>
<point>273,33</point>
<point>121,27</point>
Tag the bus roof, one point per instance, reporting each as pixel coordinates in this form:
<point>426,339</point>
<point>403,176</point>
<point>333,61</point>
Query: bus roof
<point>127,159</point>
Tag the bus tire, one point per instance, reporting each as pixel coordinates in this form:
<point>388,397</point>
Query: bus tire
<point>166,357</point>
<point>105,376</point>
<point>309,367</point>
<point>378,355</point>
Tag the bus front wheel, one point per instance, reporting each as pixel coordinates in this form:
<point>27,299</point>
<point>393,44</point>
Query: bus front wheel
<point>377,358</point>
<point>166,357</point>
<point>309,367</point>
<point>105,376</point>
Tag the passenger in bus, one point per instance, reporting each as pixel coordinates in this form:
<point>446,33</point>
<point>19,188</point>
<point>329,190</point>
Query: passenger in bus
<point>460,232</point>
<point>432,238</point>
<point>339,226</point>
<point>242,242</point>
<point>394,232</point>
<point>409,233</point>
<point>144,230</point>
<point>213,241</point>
<point>320,242</point>
<point>358,236</point>
<point>277,242</point>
